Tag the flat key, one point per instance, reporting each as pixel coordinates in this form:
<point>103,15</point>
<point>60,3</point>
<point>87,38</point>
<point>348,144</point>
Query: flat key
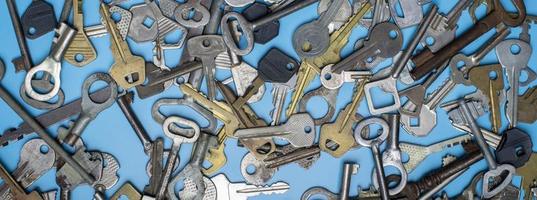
<point>207,47</point>
<point>514,56</point>
<point>443,29</point>
<point>299,130</point>
<point>128,70</point>
<point>12,190</point>
<point>241,191</point>
<point>411,10</point>
<point>36,158</point>
<point>312,39</point>
<point>81,51</point>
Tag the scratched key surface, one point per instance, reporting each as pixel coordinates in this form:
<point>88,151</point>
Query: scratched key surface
<point>110,132</point>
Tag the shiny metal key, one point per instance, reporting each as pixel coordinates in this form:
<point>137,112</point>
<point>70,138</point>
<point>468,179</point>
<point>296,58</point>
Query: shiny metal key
<point>128,70</point>
<point>299,130</point>
<point>81,51</point>
<point>241,191</point>
<point>334,81</point>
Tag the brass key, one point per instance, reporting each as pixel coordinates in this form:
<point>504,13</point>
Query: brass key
<point>128,70</point>
<point>492,86</point>
<point>81,51</point>
<point>12,190</point>
<point>310,67</point>
<point>340,132</point>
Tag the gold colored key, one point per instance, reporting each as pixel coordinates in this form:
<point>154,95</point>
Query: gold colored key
<point>128,70</point>
<point>81,51</point>
<point>489,80</point>
<point>310,67</point>
<point>216,156</point>
<point>339,134</point>
<point>127,190</point>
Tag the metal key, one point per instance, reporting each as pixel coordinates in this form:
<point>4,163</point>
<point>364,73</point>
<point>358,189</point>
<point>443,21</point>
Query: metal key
<point>411,10</point>
<point>344,13</point>
<point>335,81</point>
<point>299,130</point>
<point>349,169</point>
<point>24,62</point>
<point>13,189</point>
<point>514,56</point>
<point>122,24</point>
<point>248,27</point>
<point>255,171</point>
<point>166,27</point>
<point>312,39</point>
<point>128,70</point>
<point>374,144</point>
<point>389,84</point>
<point>90,108</point>
<point>443,29</point>
<point>36,158</point>
<point>189,135</point>
<point>51,64</point>
<point>81,51</point>
<point>339,131</point>
<point>183,11</point>
<point>495,170</point>
<point>328,95</point>
<point>68,179</point>
<point>241,191</point>
<point>207,47</point>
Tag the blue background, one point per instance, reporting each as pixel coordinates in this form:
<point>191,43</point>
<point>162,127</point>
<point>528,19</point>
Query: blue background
<point>110,131</point>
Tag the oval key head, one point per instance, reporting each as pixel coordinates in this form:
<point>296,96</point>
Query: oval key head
<point>277,67</point>
<point>183,11</point>
<point>368,142</point>
<point>189,135</point>
<point>513,53</point>
<point>515,148</point>
<point>247,31</point>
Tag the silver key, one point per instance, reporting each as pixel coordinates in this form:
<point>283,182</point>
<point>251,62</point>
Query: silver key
<point>260,174</point>
<point>207,47</point>
<point>344,12</point>
<point>299,130</point>
<point>279,94</point>
<point>328,95</point>
<point>189,135</point>
<point>190,190</point>
<point>36,158</point>
<point>241,191</point>
<point>122,25</point>
<point>334,81</point>
<point>411,10</point>
<point>443,28</point>
<point>68,179</point>
<point>514,56</point>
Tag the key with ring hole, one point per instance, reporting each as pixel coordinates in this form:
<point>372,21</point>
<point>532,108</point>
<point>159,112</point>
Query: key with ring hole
<point>514,56</point>
<point>426,61</point>
<point>248,27</point>
<point>183,11</point>
<point>389,84</point>
<point>188,135</point>
<point>299,130</point>
<point>11,189</point>
<point>312,39</point>
<point>339,131</point>
<point>328,95</point>
<point>51,65</point>
<point>374,144</point>
<point>489,80</point>
<point>260,174</point>
<point>392,156</point>
<point>309,67</point>
<point>344,13</point>
<point>349,169</point>
<point>90,108</point>
<point>335,81</point>
<point>443,29</point>
<point>495,169</point>
<point>128,70</point>
<point>81,51</point>
<point>123,24</point>
<point>24,62</point>
<point>207,47</point>
<point>385,41</point>
<point>265,32</point>
<point>165,27</point>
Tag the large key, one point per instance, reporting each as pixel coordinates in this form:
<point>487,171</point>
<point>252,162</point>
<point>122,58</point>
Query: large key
<point>128,70</point>
<point>24,62</point>
<point>81,51</point>
<point>312,39</point>
<point>189,135</point>
<point>426,61</point>
<point>248,27</point>
<point>514,56</point>
<point>339,131</point>
<point>207,47</point>
<point>312,66</point>
<point>14,190</point>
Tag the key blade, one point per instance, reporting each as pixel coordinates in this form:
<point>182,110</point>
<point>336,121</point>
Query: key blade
<point>243,191</point>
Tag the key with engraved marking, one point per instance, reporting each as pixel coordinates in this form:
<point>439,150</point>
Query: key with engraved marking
<point>310,67</point>
<point>339,131</point>
<point>128,70</point>
<point>241,191</point>
<point>81,51</point>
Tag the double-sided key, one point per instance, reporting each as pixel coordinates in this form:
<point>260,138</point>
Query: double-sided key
<point>514,56</point>
<point>128,70</point>
<point>207,47</point>
<point>81,51</point>
<point>312,66</point>
<point>339,131</point>
<point>240,191</point>
<point>489,80</point>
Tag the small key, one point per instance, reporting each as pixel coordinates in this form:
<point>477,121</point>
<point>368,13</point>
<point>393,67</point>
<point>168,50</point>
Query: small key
<point>207,47</point>
<point>192,7</point>
<point>411,11</point>
<point>38,19</point>
<point>261,173</point>
<point>312,39</point>
<point>81,51</point>
<point>299,130</point>
<point>241,191</point>
<point>36,158</point>
<point>443,29</point>
<point>489,79</point>
<point>128,70</point>
<point>90,108</point>
<point>334,80</point>
<point>514,56</point>
<point>188,135</point>
<point>24,62</point>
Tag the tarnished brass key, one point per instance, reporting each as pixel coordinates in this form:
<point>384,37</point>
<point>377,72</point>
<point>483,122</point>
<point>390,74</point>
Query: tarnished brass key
<point>12,190</point>
<point>340,132</point>
<point>81,51</point>
<point>128,70</point>
<point>491,86</point>
<point>310,67</point>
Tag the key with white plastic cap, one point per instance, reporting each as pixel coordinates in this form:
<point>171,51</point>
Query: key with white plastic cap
<point>226,190</point>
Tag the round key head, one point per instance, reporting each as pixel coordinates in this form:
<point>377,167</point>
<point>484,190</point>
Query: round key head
<point>277,67</point>
<point>368,142</point>
<point>515,148</point>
